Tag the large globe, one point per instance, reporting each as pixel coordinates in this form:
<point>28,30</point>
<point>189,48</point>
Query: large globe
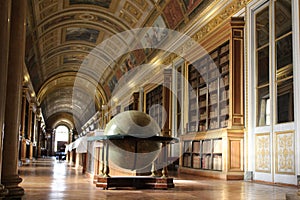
<point>137,151</point>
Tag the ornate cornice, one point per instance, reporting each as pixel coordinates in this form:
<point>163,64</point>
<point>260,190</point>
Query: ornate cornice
<point>226,13</point>
<point>223,15</point>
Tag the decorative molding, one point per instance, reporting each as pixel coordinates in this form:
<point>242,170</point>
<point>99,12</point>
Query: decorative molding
<point>127,18</point>
<point>130,8</point>
<point>141,4</point>
<point>262,153</point>
<point>285,152</point>
<point>227,12</point>
<point>223,15</point>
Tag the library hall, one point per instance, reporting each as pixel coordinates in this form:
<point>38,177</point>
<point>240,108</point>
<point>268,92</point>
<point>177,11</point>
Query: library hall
<point>150,99</point>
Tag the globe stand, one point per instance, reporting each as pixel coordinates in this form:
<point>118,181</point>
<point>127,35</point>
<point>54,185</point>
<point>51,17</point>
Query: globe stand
<point>105,181</point>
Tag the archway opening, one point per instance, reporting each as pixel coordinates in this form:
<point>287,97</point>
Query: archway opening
<point>61,138</point>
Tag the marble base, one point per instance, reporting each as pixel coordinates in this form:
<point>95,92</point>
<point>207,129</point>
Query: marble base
<point>248,176</point>
<point>3,191</point>
<point>15,193</point>
<point>11,184</point>
<point>138,182</point>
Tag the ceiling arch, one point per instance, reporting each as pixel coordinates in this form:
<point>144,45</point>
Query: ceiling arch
<point>67,79</point>
<point>71,76</point>
<point>64,118</point>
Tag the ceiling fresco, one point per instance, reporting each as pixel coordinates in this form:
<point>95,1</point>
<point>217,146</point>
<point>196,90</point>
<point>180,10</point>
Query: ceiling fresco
<point>63,35</point>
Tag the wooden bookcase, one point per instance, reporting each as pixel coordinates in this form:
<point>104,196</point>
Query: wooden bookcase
<point>157,100</point>
<point>203,154</point>
<point>213,142</point>
<point>154,102</point>
<point>133,102</point>
<point>209,90</point>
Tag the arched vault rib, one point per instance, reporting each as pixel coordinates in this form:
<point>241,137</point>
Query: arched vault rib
<point>82,107</point>
<point>60,118</point>
<point>96,14</point>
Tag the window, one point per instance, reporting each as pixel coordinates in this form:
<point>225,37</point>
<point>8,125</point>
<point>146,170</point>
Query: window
<point>274,68</point>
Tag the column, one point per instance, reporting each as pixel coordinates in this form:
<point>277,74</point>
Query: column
<point>23,116</point>
<point>166,131</point>
<point>4,44</point>
<point>141,100</point>
<point>39,132</point>
<point>10,177</point>
<point>42,139</point>
<point>135,97</point>
<point>30,130</point>
<point>34,133</point>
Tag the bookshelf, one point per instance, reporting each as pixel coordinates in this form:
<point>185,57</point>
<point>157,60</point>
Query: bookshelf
<point>209,90</point>
<point>203,154</point>
<point>187,146</point>
<point>154,102</point>
<point>214,120</point>
<point>133,102</point>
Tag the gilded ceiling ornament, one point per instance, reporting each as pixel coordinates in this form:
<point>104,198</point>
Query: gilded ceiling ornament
<point>227,12</point>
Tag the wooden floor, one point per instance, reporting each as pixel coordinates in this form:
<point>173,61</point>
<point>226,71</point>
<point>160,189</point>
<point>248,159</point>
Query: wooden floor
<point>50,179</point>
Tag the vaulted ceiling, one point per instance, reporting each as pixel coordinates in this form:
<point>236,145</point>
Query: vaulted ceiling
<point>72,69</point>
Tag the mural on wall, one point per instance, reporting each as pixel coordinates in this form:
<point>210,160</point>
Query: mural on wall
<point>139,54</point>
<point>85,34</point>
<point>191,4</point>
<point>119,74</point>
<point>112,83</point>
<point>155,36</point>
<point>102,3</point>
<point>107,90</point>
<point>173,14</point>
<point>129,63</point>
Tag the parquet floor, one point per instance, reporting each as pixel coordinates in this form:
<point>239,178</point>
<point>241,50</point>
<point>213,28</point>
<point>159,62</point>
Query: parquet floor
<point>49,179</point>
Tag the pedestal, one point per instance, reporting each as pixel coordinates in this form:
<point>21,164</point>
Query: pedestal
<point>105,181</point>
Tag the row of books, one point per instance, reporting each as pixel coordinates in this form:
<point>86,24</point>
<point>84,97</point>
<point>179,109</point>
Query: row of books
<point>195,161</point>
<point>208,146</point>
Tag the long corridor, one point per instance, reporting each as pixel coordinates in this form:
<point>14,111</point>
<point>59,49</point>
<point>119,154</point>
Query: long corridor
<point>50,179</point>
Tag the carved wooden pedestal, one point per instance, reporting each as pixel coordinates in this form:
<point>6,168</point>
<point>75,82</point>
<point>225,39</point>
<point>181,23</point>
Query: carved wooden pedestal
<point>137,182</point>
<point>105,181</point>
